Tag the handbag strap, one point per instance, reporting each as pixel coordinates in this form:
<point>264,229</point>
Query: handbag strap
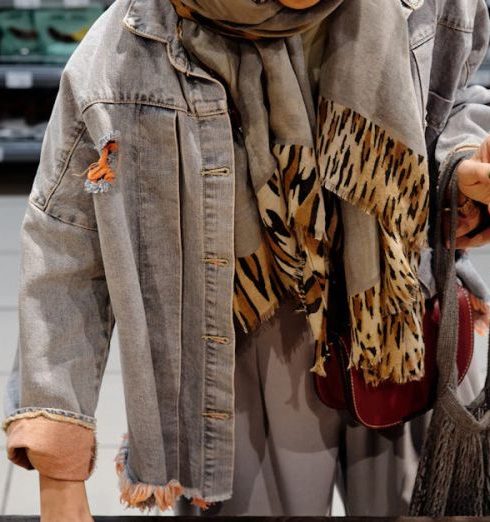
<point>487,379</point>
<point>445,276</point>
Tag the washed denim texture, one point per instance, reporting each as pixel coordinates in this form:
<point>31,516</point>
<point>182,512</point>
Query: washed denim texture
<point>144,253</point>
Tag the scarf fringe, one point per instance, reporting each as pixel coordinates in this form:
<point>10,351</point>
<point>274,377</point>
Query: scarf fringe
<point>146,496</point>
<point>387,348</point>
<point>249,326</point>
<point>258,291</point>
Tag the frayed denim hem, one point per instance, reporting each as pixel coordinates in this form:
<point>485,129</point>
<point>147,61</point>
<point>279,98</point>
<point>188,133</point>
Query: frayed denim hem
<point>146,496</point>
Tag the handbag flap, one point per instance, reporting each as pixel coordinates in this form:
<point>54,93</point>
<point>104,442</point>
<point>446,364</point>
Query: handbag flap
<point>389,403</point>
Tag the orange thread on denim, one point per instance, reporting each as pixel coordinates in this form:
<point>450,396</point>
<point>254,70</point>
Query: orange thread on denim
<point>220,171</point>
<point>217,261</point>
<point>100,175</point>
<point>216,339</point>
<point>201,503</point>
<point>216,415</point>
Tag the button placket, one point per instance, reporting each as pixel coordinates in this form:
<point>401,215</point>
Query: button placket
<point>216,261</point>
<point>218,188</point>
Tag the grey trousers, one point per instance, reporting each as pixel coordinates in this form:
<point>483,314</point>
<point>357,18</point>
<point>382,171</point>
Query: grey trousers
<point>291,449</point>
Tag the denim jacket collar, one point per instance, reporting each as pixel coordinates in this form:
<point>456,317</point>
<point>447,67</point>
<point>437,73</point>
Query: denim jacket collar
<point>157,20</point>
<point>152,19</point>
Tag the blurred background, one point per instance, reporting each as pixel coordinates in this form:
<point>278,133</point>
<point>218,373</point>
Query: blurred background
<point>36,38</point>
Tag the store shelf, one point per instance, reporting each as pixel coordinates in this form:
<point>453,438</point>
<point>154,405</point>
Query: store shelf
<point>27,76</point>
<point>20,151</point>
<point>36,4</point>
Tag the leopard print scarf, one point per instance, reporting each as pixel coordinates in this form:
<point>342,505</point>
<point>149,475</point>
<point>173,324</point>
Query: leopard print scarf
<point>350,157</point>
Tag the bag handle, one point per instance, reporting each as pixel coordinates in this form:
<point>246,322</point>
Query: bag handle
<point>445,276</point>
<point>487,379</point>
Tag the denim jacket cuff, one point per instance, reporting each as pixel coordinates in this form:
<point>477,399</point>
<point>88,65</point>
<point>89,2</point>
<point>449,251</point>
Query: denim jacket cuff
<point>60,446</point>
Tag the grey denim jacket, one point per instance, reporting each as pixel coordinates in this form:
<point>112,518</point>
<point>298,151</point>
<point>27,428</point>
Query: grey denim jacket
<point>156,252</point>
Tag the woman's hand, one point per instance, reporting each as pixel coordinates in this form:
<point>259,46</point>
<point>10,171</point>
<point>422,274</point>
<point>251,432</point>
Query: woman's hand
<point>63,500</point>
<point>473,177</point>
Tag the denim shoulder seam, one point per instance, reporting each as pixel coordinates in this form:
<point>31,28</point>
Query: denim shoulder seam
<point>110,101</point>
<point>455,26</point>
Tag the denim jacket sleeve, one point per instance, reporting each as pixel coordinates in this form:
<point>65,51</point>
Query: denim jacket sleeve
<point>469,120</point>
<point>65,315</point>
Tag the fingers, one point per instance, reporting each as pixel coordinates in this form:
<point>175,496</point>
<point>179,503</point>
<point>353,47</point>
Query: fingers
<point>474,180</point>
<point>474,171</point>
<point>471,242</point>
<point>483,152</point>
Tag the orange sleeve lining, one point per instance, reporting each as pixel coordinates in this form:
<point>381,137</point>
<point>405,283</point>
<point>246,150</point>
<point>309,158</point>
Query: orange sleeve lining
<point>59,449</point>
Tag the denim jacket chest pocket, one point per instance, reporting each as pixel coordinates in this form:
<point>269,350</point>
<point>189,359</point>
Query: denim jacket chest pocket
<point>67,151</point>
<point>441,44</point>
<point>146,141</point>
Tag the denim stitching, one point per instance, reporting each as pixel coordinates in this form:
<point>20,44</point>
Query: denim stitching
<point>220,171</point>
<point>218,339</point>
<point>454,25</point>
<point>216,261</point>
<point>77,225</point>
<point>110,101</point>
<point>85,420</point>
<point>217,415</point>
<point>181,278</point>
<point>78,136</point>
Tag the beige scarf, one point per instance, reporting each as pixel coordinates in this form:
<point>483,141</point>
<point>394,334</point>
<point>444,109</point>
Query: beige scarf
<point>351,158</point>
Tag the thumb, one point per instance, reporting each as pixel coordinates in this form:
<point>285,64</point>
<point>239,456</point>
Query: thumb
<point>472,171</point>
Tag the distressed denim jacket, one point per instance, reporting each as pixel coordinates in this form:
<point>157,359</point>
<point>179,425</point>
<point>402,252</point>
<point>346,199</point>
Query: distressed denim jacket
<point>155,253</point>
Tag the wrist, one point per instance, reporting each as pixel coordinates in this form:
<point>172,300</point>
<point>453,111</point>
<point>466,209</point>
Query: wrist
<point>63,499</point>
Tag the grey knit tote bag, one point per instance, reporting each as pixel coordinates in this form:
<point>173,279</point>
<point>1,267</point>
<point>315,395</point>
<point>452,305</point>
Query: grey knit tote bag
<point>453,477</point>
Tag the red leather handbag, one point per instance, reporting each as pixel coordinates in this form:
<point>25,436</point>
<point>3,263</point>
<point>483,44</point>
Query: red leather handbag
<point>389,403</point>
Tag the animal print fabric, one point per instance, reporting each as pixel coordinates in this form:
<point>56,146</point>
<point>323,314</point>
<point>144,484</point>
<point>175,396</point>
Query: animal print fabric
<point>363,164</point>
<point>385,320</point>
<point>355,141</point>
<point>293,257</point>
